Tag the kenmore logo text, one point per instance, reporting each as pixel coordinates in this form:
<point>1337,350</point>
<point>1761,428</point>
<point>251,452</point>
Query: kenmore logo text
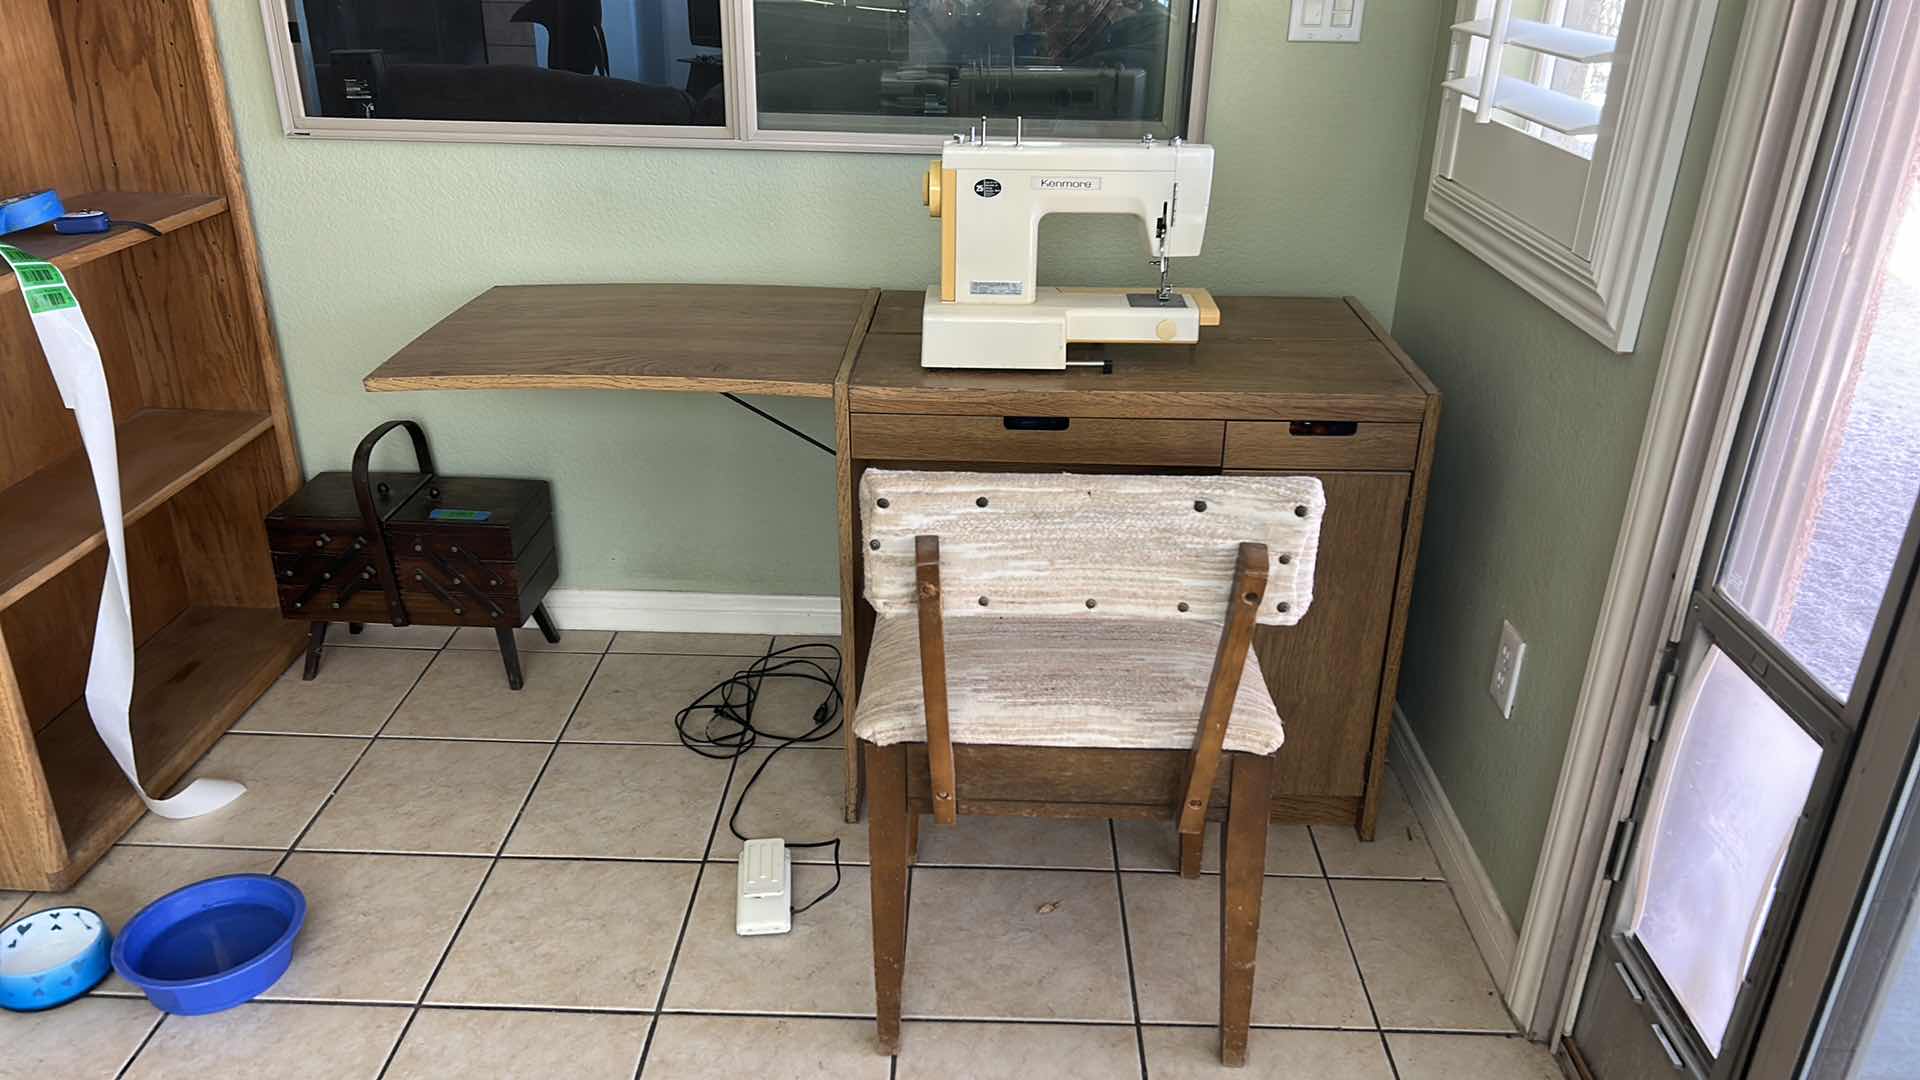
<point>1067,183</point>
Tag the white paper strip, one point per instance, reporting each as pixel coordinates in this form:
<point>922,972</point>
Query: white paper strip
<point>74,359</point>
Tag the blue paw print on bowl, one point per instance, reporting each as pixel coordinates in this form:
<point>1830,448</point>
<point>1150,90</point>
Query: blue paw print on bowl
<point>50,957</point>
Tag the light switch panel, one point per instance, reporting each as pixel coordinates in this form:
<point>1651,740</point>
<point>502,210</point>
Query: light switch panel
<point>1325,20</point>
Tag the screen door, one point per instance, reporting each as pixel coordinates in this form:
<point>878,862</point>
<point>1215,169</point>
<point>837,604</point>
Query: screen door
<point>1807,564</point>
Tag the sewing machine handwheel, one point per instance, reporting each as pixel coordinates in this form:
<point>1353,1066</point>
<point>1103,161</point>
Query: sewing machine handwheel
<point>930,190</point>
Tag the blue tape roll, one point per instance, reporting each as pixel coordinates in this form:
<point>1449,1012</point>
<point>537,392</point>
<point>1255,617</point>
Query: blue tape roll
<point>82,221</point>
<point>19,212</point>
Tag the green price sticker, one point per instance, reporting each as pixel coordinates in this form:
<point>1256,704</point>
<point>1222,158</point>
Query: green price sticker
<point>38,273</point>
<point>51,298</point>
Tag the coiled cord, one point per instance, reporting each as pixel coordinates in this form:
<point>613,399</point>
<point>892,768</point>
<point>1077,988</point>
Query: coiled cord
<point>729,731</point>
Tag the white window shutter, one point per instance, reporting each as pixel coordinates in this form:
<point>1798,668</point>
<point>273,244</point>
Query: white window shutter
<point>1493,89</point>
<point>1566,190</point>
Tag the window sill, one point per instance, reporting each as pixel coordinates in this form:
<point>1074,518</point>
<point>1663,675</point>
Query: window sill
<point>1608,309</point>
<point>708,138</point>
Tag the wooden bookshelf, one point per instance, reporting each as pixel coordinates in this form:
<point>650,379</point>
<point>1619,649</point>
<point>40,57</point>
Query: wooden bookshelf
<point>195,678</point>
<point>51,519</point>
<point>162,211</point>
<point>141,131</point>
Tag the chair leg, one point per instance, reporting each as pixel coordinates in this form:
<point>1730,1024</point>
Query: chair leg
<point>888,843</point>
<point>1243,858</point>
<point>1192,846</point>
<point>510,656</point>
<point>545,622</point>
<point>316,640</point>
<point>356,627</point>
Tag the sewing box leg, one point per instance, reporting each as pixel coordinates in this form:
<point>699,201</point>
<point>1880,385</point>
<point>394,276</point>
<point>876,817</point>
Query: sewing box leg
<point>545,622</point>
<point>316,640</point>
<point>510,656</point>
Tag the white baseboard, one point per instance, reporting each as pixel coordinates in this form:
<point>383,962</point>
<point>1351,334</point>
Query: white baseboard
<point>692,612</point>
<point>1486,918</point>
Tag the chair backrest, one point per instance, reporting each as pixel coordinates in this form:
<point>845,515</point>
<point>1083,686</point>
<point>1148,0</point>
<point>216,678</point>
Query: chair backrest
<point>1095,545</point>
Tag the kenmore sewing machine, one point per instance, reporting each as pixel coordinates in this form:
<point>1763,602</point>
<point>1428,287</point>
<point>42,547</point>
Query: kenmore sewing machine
<point>987,312</point>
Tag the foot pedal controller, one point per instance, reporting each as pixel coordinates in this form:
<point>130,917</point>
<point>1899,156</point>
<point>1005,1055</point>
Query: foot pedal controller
<point>765,901</point>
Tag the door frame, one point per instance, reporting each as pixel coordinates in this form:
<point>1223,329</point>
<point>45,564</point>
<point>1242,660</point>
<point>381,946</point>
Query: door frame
<point>1775,110</point>
<point>1865,820</point>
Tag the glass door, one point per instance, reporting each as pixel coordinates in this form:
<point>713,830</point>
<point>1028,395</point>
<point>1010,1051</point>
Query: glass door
<point>1786,631</point>
<point>1868,1027</point>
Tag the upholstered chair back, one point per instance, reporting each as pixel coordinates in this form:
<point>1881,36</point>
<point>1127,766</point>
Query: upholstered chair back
<point>1093,545</point>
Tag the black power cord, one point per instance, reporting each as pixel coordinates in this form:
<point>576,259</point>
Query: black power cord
<point>729,731</point>
<point>777,422</point>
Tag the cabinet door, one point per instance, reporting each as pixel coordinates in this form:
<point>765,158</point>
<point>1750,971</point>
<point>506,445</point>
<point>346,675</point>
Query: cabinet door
<point>1325,672</point>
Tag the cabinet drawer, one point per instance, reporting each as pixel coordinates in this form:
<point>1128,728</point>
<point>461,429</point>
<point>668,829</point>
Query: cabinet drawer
<point>1046,440</point>
<point>1324,445</point>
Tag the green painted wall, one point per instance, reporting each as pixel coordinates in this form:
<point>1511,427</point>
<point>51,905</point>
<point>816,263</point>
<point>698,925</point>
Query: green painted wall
<point>367,244</point>
<point>1538,439</point>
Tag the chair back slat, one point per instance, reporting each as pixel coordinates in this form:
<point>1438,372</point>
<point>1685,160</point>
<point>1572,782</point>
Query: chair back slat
<point>1098,545</point>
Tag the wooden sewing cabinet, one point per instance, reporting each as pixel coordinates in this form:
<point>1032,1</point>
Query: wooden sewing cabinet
<point>1282,385</point>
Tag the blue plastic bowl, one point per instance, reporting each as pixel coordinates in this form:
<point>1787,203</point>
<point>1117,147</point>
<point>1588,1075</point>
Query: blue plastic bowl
<point>50,957</point>
<point>213,944</point>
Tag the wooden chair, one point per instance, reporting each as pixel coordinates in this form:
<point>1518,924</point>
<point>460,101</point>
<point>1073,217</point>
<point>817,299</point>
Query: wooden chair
<point>1077,646</point>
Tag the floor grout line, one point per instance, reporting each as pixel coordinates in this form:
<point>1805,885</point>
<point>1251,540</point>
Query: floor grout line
<point>751,1014</point>
<point>1126,946</point>
<point>407,1025</point>
<point>686,917</point>
<point>727,859</point>
<point>141,1049</point>
<point>492,865</point>
<point>1347,936</point>
<point>294,844</point>
<point>693,897</point>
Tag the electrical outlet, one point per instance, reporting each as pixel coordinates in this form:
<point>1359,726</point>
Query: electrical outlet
<point>1506,668</point>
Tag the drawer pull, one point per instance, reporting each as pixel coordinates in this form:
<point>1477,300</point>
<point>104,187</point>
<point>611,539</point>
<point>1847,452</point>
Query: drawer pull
<point>1035,423</point>
<point>434,588</point>
<point>1323,427</point>
<point>480,568</point>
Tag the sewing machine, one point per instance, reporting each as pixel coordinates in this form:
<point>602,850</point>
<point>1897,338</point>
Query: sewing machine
<point>987,312</point>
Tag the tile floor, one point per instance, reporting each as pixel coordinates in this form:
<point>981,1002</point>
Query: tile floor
<point>538,884</point>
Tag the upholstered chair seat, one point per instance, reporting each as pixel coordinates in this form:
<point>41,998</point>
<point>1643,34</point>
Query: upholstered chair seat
<point>1062,681</point>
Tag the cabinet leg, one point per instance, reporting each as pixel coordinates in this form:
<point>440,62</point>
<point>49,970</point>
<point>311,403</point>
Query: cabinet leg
<point>545,622</point>
<point>510,656</point>
<point>316,640</point>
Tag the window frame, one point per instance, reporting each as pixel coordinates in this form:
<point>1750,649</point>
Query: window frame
<point>1599,281</point>
<point>741,131</point>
